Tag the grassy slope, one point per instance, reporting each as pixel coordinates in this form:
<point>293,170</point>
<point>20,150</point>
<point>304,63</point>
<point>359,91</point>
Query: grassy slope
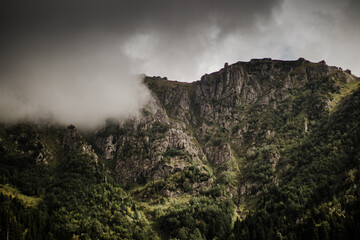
<point>28,201</point>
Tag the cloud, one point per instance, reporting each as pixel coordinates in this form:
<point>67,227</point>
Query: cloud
<point>75,60</point>
<point>175,31</point>
<point>316,30</point>
<point>70,86</point>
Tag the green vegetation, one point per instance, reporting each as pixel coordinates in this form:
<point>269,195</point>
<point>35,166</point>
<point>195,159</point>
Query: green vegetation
<point>201,218</point>
<point>77,204</point>
<point>293,172</point>
<point>159,85</point>
<point>316,193</point>
<point>158,130</point>
<point>27,201</point>
<point>344,89</point>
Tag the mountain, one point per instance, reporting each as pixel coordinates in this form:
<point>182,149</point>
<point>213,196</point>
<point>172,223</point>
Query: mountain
<point>265,149</point>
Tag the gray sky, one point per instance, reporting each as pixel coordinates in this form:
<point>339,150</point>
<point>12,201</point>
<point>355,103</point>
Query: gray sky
<point>68,57</point>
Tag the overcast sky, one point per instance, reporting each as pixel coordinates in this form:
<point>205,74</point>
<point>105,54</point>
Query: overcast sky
<point>60,51</point>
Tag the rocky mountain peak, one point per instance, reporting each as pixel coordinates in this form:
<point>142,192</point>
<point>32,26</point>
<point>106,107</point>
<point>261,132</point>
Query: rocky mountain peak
<point>219,106</point>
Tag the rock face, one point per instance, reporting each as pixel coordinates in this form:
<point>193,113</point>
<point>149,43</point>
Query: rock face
<point>151,146</point>
<point>73,141</point>
<point>43,144</point>
<point>258,81</point>
<point>24,141</point>
<point>215,122</point>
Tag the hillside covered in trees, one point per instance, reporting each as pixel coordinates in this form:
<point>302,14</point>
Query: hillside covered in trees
<point>265,149</point>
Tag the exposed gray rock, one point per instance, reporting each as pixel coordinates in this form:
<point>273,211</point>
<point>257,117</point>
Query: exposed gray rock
<point>73,141</point>
<point>208,121</point>
<point>142,143</point>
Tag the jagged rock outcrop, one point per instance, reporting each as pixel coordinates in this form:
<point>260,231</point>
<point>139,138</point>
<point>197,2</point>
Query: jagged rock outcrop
<point>258,81</point>
<point>236,110</point>
<point>218,155</point>
<point>73,141</point>
<point>24,140</point>
<point>152,146</point>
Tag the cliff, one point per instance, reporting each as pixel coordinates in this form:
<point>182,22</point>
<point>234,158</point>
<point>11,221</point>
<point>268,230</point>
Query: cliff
<point>212,125</point>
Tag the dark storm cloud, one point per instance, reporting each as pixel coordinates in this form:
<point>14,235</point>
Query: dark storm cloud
<point>353,12</point>
<point>60,57</point>
<point>176,26</point>
<point>130,15</point>
<point>73,60</point>
<point>323,30</point>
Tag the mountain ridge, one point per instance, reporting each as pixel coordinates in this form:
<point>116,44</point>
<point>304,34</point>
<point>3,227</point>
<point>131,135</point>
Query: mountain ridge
<point>238,143</point>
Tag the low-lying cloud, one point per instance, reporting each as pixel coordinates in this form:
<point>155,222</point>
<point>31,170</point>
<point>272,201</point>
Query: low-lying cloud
<point>71,86</point>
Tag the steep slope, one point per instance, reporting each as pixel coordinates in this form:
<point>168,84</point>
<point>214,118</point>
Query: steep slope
<point>53,187</point>
<point>316,194</point>
<point>222,118</point>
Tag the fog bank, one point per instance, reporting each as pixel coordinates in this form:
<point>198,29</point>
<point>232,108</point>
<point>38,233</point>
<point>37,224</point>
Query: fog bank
<point>74,85</point>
